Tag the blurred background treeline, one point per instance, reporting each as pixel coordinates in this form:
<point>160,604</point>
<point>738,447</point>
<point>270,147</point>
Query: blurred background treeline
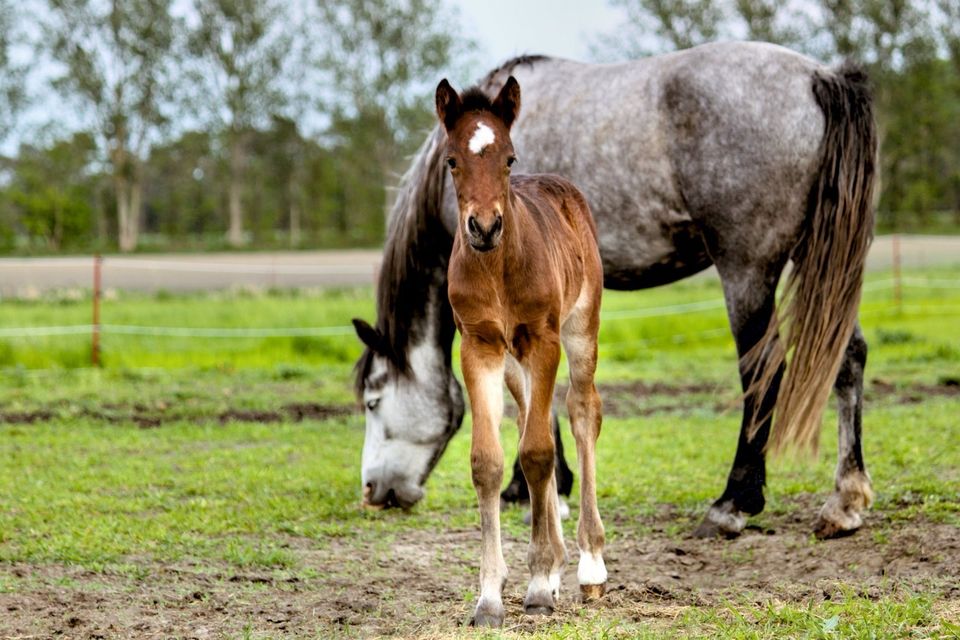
<point>198,124</point>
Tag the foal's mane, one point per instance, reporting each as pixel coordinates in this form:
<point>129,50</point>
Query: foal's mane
<point>418,246</point>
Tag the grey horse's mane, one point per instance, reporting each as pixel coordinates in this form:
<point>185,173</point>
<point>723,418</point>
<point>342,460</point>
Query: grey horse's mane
<point>418,246</point>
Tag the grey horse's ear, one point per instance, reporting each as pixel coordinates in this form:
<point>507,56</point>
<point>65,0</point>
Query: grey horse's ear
<point>448,104</point>
<point>368,335</point>
<point>507,103</point>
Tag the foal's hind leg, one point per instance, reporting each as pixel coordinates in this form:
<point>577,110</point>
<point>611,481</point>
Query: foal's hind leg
<point>516,490</point>
<point>750,305</point>
<point>841,513</point>
<point>583,403</point>
<point>546,554</point>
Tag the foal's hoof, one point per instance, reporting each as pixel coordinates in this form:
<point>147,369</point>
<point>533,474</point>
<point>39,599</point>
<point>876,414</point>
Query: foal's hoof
<point>721,521</point>
<point>592,592</point>
<point>538,604</point>
<point>488,615</point>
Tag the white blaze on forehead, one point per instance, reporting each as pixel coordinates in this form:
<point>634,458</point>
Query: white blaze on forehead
<point>482,138</point>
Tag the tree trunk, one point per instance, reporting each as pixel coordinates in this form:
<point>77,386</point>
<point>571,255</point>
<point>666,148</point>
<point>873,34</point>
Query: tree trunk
<point>235,237</point>
<point>128,212</point>
<point>294,225</point>
<point>121,188</point>
<point>57,227</point>
<point>292,193</point>
<point>136,199</point>
<point>127,178</point>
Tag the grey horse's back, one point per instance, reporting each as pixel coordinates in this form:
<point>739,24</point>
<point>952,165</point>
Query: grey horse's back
<point>670,147</point>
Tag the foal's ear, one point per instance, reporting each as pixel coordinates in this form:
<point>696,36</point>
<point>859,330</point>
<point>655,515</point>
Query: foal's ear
<point>448,104</point>
<point>507,103</point>
<point>368,335</point>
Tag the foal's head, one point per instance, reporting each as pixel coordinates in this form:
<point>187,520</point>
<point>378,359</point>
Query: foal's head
<point>480,154</point>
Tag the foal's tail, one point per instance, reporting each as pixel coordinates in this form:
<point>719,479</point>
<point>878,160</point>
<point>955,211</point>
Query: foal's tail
<point>822,291</point>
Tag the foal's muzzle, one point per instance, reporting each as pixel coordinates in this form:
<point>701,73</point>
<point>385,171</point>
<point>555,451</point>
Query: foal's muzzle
<point>484,238</point>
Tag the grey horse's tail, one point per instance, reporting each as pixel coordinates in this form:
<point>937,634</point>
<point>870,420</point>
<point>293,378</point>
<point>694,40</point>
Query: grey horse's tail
<point>822,292</point>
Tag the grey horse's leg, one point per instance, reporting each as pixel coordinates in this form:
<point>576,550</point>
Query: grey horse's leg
<point>516,490</point>
<point>750,305</point>
<point>841,515</point>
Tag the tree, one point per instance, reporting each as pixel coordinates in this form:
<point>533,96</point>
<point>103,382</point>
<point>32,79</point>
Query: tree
<point>53,193</point>
<point>384,59</point>
<point>244,49</point>
<point>117,62</point>
<point>182,197</point>
<point>12,94</point>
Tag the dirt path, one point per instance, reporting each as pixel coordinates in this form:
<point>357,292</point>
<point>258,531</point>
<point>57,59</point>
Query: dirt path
<point>186,272</point>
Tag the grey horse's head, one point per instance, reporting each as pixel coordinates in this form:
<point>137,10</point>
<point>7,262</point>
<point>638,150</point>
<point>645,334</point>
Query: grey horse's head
<point>413,405</point>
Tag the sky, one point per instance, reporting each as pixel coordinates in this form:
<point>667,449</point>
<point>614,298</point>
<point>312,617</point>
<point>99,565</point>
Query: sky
<point>507,28</point>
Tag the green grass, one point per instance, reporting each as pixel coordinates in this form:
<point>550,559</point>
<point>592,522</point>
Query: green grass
<point>86,486</point>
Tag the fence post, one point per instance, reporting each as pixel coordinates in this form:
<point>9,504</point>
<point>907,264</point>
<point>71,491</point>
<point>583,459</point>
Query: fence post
<point>95,345</point>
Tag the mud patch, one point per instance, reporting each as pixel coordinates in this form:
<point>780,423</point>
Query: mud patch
<point>25,417</point>
<point>294,412</point>
<point>160,413</point>
<point>912,393</point>
<point>423,582</point>
<point>638,398</point>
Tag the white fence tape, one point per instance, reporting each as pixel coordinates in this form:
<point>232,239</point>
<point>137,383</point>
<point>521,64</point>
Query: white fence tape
<point>340,330</point>
<point>226,267</point>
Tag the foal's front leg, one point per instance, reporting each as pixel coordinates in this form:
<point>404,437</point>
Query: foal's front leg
<point>483,370</point>
<point>546,555</point>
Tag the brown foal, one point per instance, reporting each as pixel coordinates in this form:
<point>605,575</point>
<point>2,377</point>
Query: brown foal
<point>524,277</point>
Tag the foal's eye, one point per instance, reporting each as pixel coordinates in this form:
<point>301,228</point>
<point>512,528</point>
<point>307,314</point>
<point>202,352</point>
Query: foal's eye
<point>511,160</point>
<point>452,163</point>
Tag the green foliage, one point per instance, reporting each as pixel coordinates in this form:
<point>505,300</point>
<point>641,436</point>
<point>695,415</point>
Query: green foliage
<point>226,122</point>
<point>53,194</point>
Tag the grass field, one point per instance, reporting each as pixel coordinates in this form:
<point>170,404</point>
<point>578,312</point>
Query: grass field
<point>209,487</point>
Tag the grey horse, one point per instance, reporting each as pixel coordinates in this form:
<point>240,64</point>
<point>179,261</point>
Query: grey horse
<point>740,155</point>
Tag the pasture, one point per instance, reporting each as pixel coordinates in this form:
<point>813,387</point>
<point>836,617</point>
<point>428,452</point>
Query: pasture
<point>209,488</point>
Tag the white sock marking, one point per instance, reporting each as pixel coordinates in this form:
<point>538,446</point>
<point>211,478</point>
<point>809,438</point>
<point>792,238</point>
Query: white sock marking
<point>591,569</point>
<point>555,585</point>
<point>482,138</point>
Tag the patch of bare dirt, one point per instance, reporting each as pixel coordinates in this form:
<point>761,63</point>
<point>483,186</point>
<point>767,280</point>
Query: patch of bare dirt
<point>913,393</point>
<point>25,417</point>
<point>636,398</point>
<point>423,582</point>
<point>156,415</point>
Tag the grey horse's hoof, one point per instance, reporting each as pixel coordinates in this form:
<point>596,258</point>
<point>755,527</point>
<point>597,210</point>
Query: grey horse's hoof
<point>488,615</point>
<point>538,604</point>
<point>841,515</point>
<point>721,521</point>
<point>826,530</point>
